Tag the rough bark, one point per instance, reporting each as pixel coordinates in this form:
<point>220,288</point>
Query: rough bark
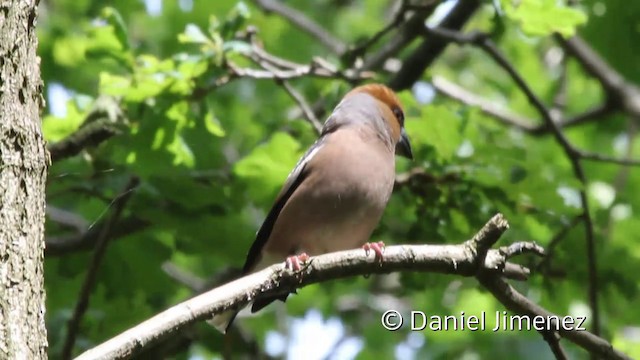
<point>23,169</point>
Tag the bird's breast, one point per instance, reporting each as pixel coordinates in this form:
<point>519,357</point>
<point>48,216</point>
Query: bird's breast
<point>339,204</point>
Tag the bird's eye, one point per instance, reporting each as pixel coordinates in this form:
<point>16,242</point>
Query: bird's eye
<point>399,115</point>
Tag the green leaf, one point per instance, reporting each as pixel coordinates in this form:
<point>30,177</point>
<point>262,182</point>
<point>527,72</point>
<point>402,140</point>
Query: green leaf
<point>113,84</point>
<point>106,42</point>
<point>543,17</point>
<point>213,125</point>
<point>267,166</point>
<point>439,128</point>
<point>113,18</point>
<point>69,50</point>
<point>194,35</point>
<point>57,128</point>
<point>181,151</point>
<point>234,20</point>
<point>179,112</point>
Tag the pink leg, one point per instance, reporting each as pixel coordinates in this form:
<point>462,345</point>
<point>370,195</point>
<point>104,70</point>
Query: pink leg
<point>377,248</point>
<point>294,262</point>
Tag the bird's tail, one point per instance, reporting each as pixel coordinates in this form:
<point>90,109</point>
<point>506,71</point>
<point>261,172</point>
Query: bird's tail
<point>223,320</point>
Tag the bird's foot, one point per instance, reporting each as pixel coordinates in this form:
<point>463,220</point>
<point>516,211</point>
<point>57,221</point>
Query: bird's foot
<point>377,248</point>
<point>295,262</point>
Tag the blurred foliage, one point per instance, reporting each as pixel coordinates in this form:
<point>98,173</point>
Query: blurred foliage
<point>211,160</point>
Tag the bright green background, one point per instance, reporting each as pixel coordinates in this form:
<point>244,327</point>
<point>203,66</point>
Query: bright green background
<point>211,167</point>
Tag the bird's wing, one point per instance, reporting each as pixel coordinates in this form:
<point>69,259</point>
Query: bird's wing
<point>295,178</point>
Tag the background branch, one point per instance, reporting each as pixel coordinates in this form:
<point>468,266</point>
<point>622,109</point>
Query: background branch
<point>89,282</point>
<point>620,92</point>
<point>305,24</point>
<point>574,155</point>
<point>430,48</point>
<point>66,244</point>
<point>103,121</point>
<point>519,304</point>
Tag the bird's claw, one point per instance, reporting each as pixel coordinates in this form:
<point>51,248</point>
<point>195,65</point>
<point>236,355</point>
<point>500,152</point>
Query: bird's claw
<point>294,263</point>
<point>377,248</point>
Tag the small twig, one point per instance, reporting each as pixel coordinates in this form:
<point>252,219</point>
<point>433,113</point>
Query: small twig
<point>89,282</point>
<point>523,247</point>
<point>553,340</point>
<point>456,92</point>
<point>87,240</point>
<point>487,236</point>
<point>557,238</point>
<point>67,218</point>
<point>594,113</point>
<point>623,174</point>
<point>303,71</point>
<point>359,50</point>
<point>608,159</point>
<point>429,49</point>
<point>302,103</point>
<point>268,62</point>
<point>270,58</point>
<point>408,31</point>
<point>419,177</point>
<point>560,97</point>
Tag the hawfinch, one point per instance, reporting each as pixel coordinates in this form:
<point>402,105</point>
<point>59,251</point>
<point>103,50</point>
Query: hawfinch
<point>334,197</point>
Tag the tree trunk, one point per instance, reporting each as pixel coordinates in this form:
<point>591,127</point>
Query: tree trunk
<point>23,170</point>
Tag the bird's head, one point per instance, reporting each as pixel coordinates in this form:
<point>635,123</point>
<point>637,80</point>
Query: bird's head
<point>386,107</point>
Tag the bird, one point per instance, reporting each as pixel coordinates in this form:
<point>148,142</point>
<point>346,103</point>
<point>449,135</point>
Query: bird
<point>335,196</point>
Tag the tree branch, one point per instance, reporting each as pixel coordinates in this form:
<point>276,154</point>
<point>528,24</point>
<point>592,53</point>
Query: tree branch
<point>488,107</point>
<point>65,244</point>
<point>103,121</point>
<point>553,340</point>
<point>519,304</point>
<point>303,105</point>
<point>407,32</point>
<point>462,259</point>
<point>271,63</point>
<point>574,155</point>
<point>90,279</point>
<point>608,159</point>
<point>620,92</point>
<point>450,259</point>
<point>530,126</point>
<point>414,65</point>
<point>305,24</point>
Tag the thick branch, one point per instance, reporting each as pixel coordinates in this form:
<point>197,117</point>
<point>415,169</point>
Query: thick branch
<point>407,32</point>
<point>449,259</point>
<point>620,92</point>
<point>103,121</point>
<point>414,65</point>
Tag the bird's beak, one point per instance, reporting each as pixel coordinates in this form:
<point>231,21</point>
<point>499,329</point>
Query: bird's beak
<point>403,148</point>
